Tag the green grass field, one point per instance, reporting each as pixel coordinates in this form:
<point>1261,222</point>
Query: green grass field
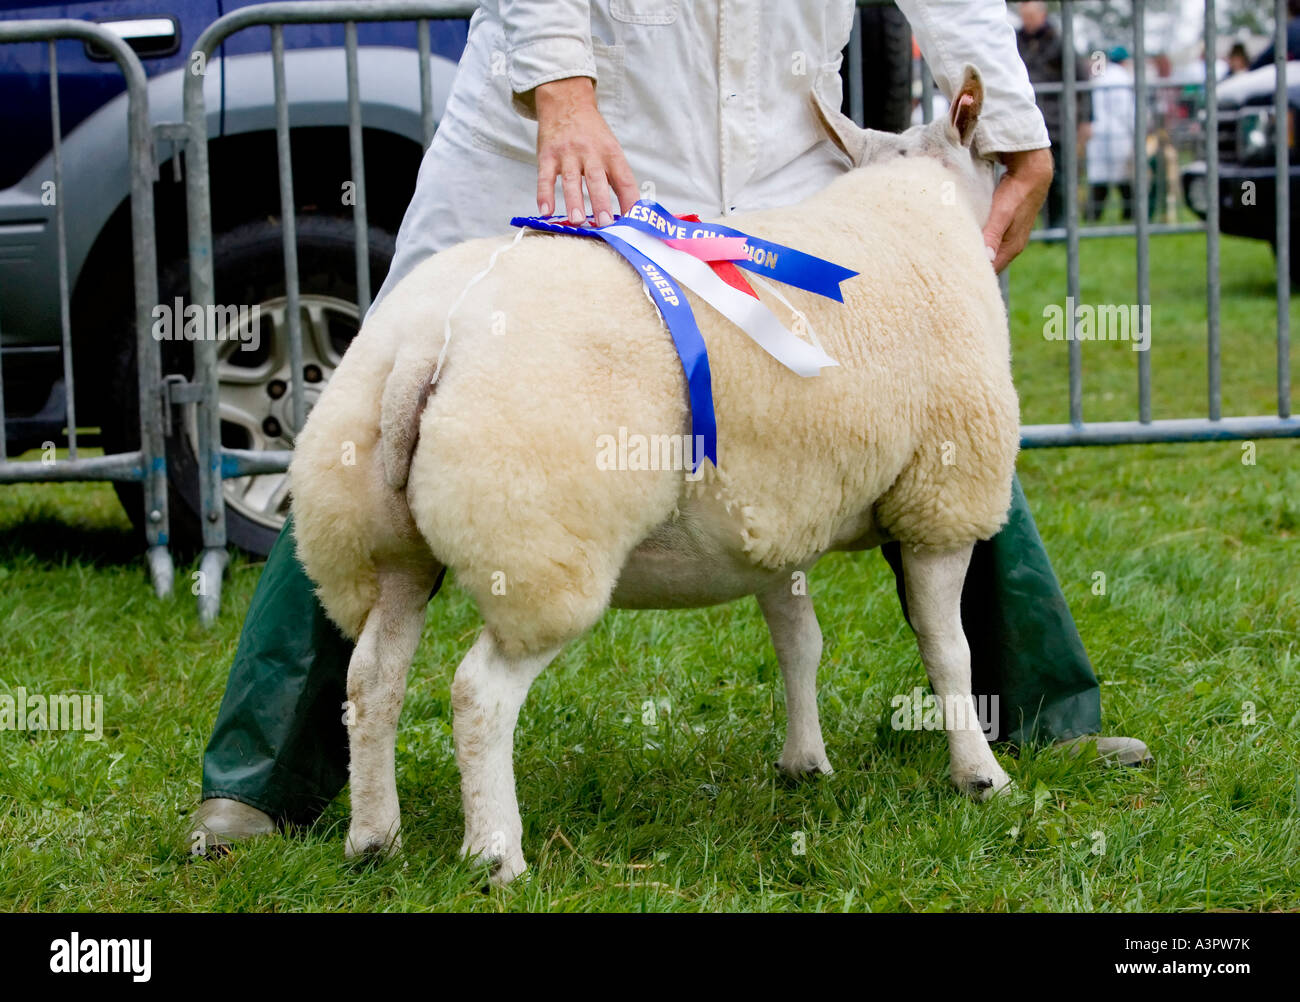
<point>1195,641</point>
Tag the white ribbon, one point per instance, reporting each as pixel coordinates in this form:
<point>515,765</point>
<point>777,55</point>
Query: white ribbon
<point>446,324</point>
<point>744,311</point>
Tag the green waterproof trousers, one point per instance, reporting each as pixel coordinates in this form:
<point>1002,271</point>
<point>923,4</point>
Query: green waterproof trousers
<point>280,743</point>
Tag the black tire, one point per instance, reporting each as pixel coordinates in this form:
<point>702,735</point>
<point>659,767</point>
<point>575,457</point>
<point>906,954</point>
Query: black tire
<point>249,269</point>
<point>886,69</point>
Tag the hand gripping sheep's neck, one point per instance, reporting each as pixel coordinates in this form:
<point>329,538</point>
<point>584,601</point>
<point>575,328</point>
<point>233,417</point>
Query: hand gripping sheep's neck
<point>548,471</point>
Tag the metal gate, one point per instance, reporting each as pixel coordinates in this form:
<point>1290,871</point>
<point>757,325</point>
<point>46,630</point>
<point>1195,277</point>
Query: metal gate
<point>1212,427</point>
<point>147,465</point>
<point>218,463</point>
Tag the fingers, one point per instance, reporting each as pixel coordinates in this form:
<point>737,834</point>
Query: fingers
<point>547,169</point>
<point>1001,216</point>
<point>1006,237</point>
<point>993,231</point>
<point>623,180</point>
<point>611,172</point>
<point>598,192</point>
<point>571,183</point>
<point>576,147</point>
<point>1016,237</point>
<point>1013,242</point>
<point>1016,201</point>
<point>604,180</point>
<point>614,173</point>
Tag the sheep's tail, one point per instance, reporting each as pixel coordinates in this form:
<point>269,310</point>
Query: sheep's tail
<point>410,383</point>
<point>405,394</point>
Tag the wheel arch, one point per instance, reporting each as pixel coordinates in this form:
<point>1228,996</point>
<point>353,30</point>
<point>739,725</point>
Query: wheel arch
<point>239,195</point>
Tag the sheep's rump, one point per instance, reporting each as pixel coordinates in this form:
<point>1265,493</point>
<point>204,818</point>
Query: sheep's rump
<point>557,351</point>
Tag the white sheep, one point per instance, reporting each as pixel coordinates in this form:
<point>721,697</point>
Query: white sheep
<point>913,437</point>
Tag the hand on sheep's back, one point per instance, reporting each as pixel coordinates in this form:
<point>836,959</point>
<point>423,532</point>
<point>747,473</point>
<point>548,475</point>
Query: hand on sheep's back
<point>576,145</point>
<point>1016,202</point>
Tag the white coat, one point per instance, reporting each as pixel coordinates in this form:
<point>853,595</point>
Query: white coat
<point>1110,147</point>
<point>711,102</point>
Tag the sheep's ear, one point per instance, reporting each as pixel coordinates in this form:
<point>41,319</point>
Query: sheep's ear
<point>844,132</point>
<point>964,114</point>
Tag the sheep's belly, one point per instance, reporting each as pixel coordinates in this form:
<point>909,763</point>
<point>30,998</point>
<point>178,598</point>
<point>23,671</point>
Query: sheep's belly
<point>658,578</point>
<point>691,561</point>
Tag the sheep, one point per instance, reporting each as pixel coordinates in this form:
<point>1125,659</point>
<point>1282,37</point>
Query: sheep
<point>493,471</point>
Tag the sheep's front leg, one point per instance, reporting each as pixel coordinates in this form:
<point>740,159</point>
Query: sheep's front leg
<point>376,687</point>
<point>486,694</point>
<point>933,579</point>
<point>798,642</point>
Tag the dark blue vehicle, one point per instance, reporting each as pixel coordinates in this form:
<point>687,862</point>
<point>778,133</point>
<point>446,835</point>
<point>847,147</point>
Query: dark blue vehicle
<point>1247,140</point>
<point>256,411</point>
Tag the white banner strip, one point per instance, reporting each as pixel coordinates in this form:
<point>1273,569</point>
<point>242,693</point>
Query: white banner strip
<point>744,311</point>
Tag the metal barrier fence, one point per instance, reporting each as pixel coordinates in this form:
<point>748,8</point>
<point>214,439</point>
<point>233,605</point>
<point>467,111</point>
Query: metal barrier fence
<point>217,463</point>
<point>1212,427</point>
<point>147,465</point>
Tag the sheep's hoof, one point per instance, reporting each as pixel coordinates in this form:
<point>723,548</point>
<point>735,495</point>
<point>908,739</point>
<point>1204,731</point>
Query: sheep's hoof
<point>372,847</point>
<point>502,865</point>
<point>985,787</point>
<point>803,767</point>
<point>507,871</point>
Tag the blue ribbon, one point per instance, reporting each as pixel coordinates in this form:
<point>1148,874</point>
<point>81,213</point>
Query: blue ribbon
<point>777,261</point>
<point>784,264</point>
<point>682,327</point>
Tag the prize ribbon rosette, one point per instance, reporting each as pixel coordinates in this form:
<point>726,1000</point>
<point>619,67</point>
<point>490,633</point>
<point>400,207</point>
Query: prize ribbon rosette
<point>669,252</point>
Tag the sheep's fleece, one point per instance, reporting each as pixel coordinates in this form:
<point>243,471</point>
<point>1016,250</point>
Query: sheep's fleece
<point>912,437</point>
<point>920,417</point>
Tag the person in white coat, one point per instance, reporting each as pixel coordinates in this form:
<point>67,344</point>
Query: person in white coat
<point>705,106</point>
<point>1110,148</point>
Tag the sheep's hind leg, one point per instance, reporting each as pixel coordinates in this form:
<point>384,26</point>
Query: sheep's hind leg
<point>486,695</point>
<point>798,642</point>
<point>933,579</point>
<point>376,687</point>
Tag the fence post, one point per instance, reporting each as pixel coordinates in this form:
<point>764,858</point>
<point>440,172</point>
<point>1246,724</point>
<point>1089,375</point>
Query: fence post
<point>1282,186</point>
<point>215,462</point>
<point>198,206</point>
<point>147,465</point>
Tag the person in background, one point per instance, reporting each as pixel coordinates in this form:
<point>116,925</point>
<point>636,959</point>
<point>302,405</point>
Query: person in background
<point>1110,147</point>
<point>1265,58</point>
<point>1238,60</point>
<point>1040,48</point>
<point>1197,69</point>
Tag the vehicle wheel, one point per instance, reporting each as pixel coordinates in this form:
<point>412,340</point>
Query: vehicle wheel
<point>255,389</point>
<point>886,69</point>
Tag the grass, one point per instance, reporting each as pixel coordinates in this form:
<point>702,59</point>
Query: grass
<point>1195,641</point>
